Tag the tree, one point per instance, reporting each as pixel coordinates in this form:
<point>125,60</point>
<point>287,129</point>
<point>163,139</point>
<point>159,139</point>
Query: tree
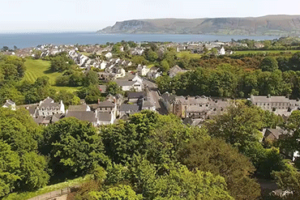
<point>151,55</point>
<point>33,171</point>
<point>9,164</point>
<point>113,88</point>
<point>239,126</point>
<point>165,66</point>
<point>74,146</point>
<point>10,92</point>
<point>156,136</point>
<point>217,157</point>
<point>123,192</point>
<point>18,130</point>
<point>269,64</point>
<point>183,184</point>
<point>91,94</point>
<point>288,180</point>
<point>92,78</point>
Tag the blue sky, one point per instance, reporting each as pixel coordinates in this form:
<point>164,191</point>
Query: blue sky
<point>91,15</point>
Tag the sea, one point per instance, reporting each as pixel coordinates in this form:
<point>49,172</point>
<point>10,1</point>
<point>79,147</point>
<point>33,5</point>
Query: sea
<point>24,40</point>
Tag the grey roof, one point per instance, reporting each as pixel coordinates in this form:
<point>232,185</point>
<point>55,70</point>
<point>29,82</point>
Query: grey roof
<point>175,70</point>
<point>106,104</point>
<point>32,110</point>
<point>83,115</point>
<point>275,132</point>
<point>147,104</point>
<point>48,103</point>
<point>125,83</point>
<point>9,103</point>
<point>77,108</point>
<point>193,109</point>
<point>136,95</point>
<point>129,107</point>
<point>266,99</point>
<point>104,117</point>
<point>57,117</point>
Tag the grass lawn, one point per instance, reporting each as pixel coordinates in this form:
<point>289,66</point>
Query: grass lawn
<point>151,65</point>
<point>189,54</point>
<point>263,52</point>
<point>38,68</point>
<point>50,188</point>
<point>85,53</point>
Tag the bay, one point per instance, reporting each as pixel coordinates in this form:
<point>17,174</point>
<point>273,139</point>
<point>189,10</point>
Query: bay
<point>24,40</point>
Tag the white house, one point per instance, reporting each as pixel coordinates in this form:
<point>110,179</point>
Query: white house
<point>108,55</point>
<point>137,79</point>
<point>10,104</point>
<point>103,65</point>
<point>222,51</point>
<point>48,107</point>
<point>120,73</point>
<point>130,85</point>
<point>143,70</point>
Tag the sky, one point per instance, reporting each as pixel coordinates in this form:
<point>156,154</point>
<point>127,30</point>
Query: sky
<point>91,15</point>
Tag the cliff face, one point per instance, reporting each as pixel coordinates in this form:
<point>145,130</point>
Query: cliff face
<point>281,25</point>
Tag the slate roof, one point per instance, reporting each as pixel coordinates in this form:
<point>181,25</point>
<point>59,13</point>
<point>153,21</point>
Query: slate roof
<point>9,103</point>
<point>129,107</point>
<point>57,117</point>
<point>48,103</point>
<point>104,117</point>
<point>147,104</point>
<point>32,110</point>
<point>266,99</point>
<point>106,104</point>
<point>83,115</point>
<point>136,95</point>
<point>77,108</point>
<point>125,83</point>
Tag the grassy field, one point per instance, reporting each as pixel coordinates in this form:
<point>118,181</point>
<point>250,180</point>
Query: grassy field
<point>38,68</point>
<point>189,54</point>
<point>263,52</point>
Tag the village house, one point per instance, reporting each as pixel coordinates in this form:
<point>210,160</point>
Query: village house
<point>83,107</point>
<point>10,104</point>
<point>134,97</point>
<point>193,107</point>
<point>280,105</point>
<point>142,70</point>
<point>48,107</point>
<point>88,116</point>
<point>108,55</point>
<point>153,73</point>
<point>129,85</point>
<point>175,70</point>
<point>128,109</point>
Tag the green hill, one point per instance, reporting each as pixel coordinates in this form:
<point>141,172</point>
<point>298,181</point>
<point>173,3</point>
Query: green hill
<point>39,68</point>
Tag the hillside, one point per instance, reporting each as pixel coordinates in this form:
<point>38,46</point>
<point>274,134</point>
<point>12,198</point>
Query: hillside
<point>39,68</point>
<point>279,25</point>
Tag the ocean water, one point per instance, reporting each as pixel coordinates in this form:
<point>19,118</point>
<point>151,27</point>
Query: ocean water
<point>33,39</point>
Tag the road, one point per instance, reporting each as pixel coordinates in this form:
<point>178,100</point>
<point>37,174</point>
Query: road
<point>155,96</point>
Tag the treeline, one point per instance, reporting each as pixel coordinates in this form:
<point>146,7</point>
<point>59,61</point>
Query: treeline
<point>12,71</point>
<point>151,156</point>
<point>232,82</point>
